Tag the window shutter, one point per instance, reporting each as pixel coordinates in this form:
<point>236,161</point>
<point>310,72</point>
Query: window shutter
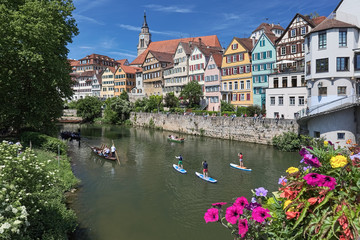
<point>307,29</point>
<point>288,50</point>
<point>264,66</point>
<point>248,96</point>
<point>270,54</point>
<point>226,59</point>
<point>238,57</point>
<point>258,56</point>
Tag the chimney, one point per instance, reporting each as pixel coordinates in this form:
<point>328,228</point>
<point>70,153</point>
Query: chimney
<point>199,41</point>
<point>253,41</point>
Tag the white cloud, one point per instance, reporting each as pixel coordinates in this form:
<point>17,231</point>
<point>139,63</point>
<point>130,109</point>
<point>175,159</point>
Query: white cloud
<point>129,27</point>
<point>123,54</point>
<point>167,33</point>
<point>86,47</point>
<point>176,9</point>
<point>82,18</point>
<point>85,5</point>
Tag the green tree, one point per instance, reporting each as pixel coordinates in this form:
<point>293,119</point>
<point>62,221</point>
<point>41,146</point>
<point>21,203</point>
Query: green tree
<point>124,96</point>
<point>255,109</point>
<point>34,71</point>
<point>117,110</point>
<point>192,93</point>
<point>154,102</point>
<point>89,108</point>
<point>227,107</point>
<point>171,100</point>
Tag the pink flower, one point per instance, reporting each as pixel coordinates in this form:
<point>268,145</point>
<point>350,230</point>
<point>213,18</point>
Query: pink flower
<point>233,213</point>
<point>259,214</point>
<point>219,204</point>
<point>328,181</point>
<point>312,161</point>
<point>212,215</point>
<point>241,202</point>
<point>313,179</point>
<point>243,227</point>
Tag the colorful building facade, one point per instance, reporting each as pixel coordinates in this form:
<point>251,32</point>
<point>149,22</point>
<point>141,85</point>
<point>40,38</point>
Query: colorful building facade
<point>212,82</point>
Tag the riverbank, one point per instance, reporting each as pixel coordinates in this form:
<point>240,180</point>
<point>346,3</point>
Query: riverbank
<point>238,128</point>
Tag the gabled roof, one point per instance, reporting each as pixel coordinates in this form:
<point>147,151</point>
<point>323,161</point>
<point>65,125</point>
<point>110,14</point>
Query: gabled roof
<point>112,69</point>
<point>332,23</point>
<point>98,56</point>
<point>73,62</point>
<point>312,22</point>
<point>338,6</point>
<point>247,43</point>
<point>206,50</point>
<point>169,46</point>
<point>162,56</point>
<point>217,59</point>
<point>268,27</point>
<point>123,61</point>
<point>271,37</point>
<point>129,69</point>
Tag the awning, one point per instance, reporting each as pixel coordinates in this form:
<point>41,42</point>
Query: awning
<point>285,61</point>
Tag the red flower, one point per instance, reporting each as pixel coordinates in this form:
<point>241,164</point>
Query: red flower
<point>291,215</point>
<point>312,200</point>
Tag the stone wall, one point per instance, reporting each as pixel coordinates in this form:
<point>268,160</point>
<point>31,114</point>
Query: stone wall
<point>240,129</point>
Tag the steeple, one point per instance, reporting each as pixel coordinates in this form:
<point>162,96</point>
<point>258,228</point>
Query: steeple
<point>144,37</point>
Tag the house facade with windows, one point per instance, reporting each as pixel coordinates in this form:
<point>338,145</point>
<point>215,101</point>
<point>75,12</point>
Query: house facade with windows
<point>236,72</point>
<point>153,71</point>
<point>212,82</point>
<point>107,83</point>
<point>267,28</point>
<point>138,91</point>
<point>82,86</point>
<point>263,64</point>
<point>124,79</point>
<point>286,95</point>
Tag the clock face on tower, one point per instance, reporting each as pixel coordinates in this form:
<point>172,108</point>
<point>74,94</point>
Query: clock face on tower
<point>141,36</point>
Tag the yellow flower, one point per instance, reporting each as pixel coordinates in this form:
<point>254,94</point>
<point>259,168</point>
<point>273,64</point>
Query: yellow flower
<point>326,143</point>
<point>348,141</point>
<point>286,203</point>
<point>338,161</point>
<point>291,170</point>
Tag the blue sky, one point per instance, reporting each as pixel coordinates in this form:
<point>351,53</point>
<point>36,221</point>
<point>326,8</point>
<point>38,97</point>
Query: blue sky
<point>111,27</point>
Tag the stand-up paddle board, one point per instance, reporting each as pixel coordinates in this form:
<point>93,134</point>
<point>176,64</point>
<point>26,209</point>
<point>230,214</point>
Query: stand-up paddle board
<point>180,170</point>
<point>209,179</point>
<point>240,168</point>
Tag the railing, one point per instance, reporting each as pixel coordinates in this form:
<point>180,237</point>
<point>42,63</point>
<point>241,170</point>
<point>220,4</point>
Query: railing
<point>328,106</point>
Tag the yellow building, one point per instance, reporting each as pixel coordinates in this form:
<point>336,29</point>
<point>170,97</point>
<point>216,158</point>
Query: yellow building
<point>125,79</point>
<point>107,83</point>
<point>236,73</point>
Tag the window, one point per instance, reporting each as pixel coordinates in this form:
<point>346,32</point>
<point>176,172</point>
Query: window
<point>241,84</point>
<point>323,91</point>
<point>236,86</point>
<point>272,100</point>
<point>276,82</point>
<point>342,38</point>
<point>293,32</point>
<point>234,46</point>
<point>303,30</point>
<point>294,81</point>
<point>225,86</point>
<point>322,65</point>
<point>316,134</point>
<point>292,101</point>
<point>308,67</point>
<point>341,136</point>
<point>234,97</point>
<point>293,48</point>
<point>301,101</point>
<point>247,84</point>
<point>284,82</point>
<point>281,101</point>
<point>341,90</point>
<point>283,50</point>
<point>322,40</point>
<point>342,64</point>
<point>230,85</point>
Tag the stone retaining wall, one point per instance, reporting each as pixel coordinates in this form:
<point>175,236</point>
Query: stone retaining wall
<point>240,129</point>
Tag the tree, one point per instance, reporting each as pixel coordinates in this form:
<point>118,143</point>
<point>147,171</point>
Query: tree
<point>192,93</point>
<point>124,96</point>
<point>227,107</point>
<point>171,100</point>
<point>89,108</point>
<point>154,102</point>
<point>117,110</point>
<point>34,71</point>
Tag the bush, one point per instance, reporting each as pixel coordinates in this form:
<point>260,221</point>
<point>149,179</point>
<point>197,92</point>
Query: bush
<point>89,108</point>
<point>44,142</point>
<point>291,141</point>
<point>241,111</point>
<point>227,107</point>
<point>227,113</point>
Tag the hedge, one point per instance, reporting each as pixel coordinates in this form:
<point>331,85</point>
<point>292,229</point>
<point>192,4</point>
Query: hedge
<point>44,142</point>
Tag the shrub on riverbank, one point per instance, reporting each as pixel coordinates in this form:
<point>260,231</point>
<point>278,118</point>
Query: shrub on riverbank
<point>292,142</point>
<point>44,142</point>
<point>319,199</point>
<point>32,194</point>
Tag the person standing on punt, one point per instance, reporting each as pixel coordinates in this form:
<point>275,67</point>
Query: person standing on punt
<point>113,149</point>
<point>241,164</point>
<point>180,163</point>
<point>205,168</point>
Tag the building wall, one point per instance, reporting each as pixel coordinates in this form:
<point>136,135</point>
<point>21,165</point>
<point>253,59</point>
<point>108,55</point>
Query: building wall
<point>213,97</point>
<point>330,125</point>
<point>240,129</point>
<point>197,64</point>
<point>152,85</point>
<point>107,86</point>
<point>348,12</point>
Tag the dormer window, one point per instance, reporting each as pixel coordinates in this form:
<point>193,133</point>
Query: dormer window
<point>234,46</point>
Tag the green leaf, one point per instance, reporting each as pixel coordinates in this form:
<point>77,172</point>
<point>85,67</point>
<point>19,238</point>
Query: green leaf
<point>302,215</point>
<point>326,199</point>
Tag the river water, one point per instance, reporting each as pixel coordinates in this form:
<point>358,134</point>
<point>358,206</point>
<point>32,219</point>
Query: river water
<point>145,198</point>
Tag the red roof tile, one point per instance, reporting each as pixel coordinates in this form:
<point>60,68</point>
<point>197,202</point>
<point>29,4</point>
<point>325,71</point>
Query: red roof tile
<point>169,46</point>
<point>247,43</point>
<point>217,59</point>
<point>162,56</point>
<point>129,69</point>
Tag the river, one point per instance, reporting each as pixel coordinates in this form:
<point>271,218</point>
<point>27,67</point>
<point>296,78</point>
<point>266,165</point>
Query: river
<point>145,198</point>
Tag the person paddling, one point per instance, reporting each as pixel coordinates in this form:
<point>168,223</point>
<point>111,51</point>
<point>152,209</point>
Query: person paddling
<point>180,163</point>
<point>241,164</point>
<point>205,168</point>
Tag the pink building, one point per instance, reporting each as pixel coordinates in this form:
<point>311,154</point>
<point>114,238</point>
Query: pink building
<point>212,83</point>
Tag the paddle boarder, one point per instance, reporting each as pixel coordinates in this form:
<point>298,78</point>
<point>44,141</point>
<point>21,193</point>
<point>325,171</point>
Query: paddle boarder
<point>205,168</point>
<point>241,164</point>
<point>180,163</point>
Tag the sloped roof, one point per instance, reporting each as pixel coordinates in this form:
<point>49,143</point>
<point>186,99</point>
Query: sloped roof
<point>268,27</point>
<point>247,43</point>
<point>122,61</point>
<point>217,59</point>
<point>169,46</point>
<point>162,56</point>
<point>332,23</point>
<point>73,62</point>
<point>129,69</point>
<point>318,20</point>
<point>98,56</point>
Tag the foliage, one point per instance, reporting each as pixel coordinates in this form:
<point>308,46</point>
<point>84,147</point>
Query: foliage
<point>89,108</point>
<point>291,141</point>
<point>71,105</point>
<point>44,142</point>
<point>192,93</point>
<point>117,110</point>
<point>254,109</point>
<point>34,72</point>
<point>124,96</point>
<point>152,103</point>
<point>241,111</point>
<point>227,107</point>
<point>171,100</point>
<point>319,199</point>
<point>31,193</point>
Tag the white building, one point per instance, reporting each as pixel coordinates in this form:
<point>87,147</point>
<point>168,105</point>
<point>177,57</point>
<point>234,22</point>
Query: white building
<point>286,95</point>
<point>138,91</point>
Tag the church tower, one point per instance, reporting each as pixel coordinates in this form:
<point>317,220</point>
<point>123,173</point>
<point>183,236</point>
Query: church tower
<point>144,37</point>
